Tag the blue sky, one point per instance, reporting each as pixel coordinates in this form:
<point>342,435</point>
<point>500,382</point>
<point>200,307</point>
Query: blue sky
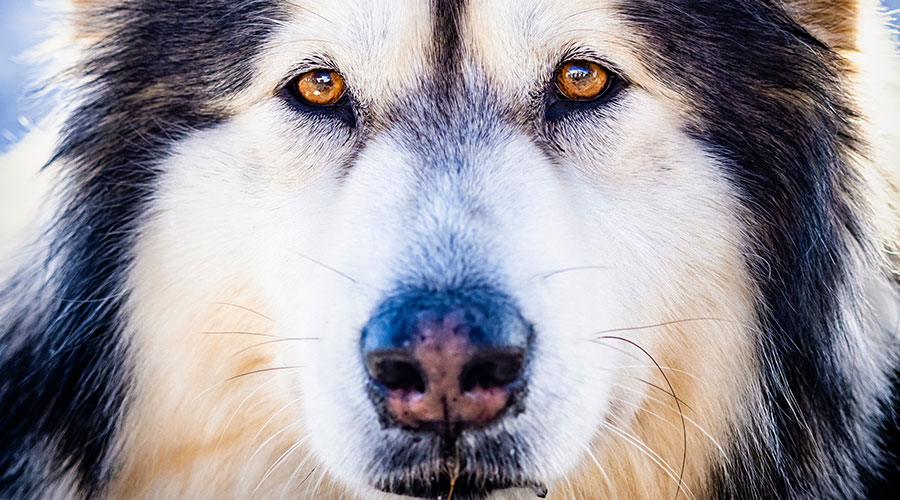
<point>20,28</point>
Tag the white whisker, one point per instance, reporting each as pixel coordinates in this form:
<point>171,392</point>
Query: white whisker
<point>239,406</point>
<point>651,454</point>
<point>284,456</point>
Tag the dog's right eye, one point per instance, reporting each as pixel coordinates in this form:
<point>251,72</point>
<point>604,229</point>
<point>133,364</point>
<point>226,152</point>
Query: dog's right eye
<point>321,93</point>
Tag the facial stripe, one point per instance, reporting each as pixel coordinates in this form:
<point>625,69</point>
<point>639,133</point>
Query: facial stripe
<point>447,15</point>
<point>155,75</point>
<point>766,98</point>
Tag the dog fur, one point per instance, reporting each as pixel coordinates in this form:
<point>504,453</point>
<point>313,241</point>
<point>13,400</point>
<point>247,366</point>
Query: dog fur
<point>708,259</point>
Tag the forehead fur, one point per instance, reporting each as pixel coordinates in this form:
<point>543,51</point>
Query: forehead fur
<point>387,50</point>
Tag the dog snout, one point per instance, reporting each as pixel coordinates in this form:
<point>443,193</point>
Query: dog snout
<point>444,365</point>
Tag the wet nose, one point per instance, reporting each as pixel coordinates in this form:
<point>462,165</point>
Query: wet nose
<point>443,366</point>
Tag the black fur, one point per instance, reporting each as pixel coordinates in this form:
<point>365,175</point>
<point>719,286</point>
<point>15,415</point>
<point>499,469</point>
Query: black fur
<point>446,15</point>
<point>769,99</point>
<point>884,482</point>
<point>64,371</point>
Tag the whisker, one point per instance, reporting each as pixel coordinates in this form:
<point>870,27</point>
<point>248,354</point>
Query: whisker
<point>644,410</point>
<point>677,404</point>
<point>326,266</point>
<point>569,483</point>
<point>245,308</point>
<point>318,485</point>
<point>550,274</point>
<point>599,341</point>
<point>252,334</point>
<point>236,410</point>
<point>617,349</point>
<point>264,370</point>
<point>672,407</point>
<point>606,477</point>
<point>678,400</point>
<point>270,438</point>
<point>98,300</point>
<point>309,475</point>
<point>287,484</point>
<point>223,382</point>
<point>659,325</point>
<point>667,368</point>
<point>671,369</point>
<point>649,453</point>
<point>280,460</point>
<point>646,449</point>
<point>286,339</point>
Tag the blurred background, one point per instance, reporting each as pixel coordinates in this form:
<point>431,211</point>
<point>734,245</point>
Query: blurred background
<point>21,27</point>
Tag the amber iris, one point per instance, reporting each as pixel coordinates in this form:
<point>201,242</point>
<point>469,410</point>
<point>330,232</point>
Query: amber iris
<point>582,80</point>
<point>320,87</point>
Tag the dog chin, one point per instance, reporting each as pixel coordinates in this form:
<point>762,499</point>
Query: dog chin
<point>472,467</point>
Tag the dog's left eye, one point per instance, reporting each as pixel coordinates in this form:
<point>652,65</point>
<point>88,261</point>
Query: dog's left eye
<point>580,85</point>
<point>582,80</point>
<point>320,87</point>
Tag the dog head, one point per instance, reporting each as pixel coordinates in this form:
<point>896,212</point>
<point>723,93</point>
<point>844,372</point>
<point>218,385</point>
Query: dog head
<point>501,246</point>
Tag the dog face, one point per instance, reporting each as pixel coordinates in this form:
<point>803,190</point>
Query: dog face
<point>456,187</point>
<point>463,249</point>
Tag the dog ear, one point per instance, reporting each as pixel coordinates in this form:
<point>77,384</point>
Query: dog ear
<point>834,22</point>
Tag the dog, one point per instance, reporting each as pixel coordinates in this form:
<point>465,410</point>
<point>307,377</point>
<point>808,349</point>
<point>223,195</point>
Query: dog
<point>457,249</point>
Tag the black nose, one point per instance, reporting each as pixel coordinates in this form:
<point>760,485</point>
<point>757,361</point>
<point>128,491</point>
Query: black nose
<point>444,362</point>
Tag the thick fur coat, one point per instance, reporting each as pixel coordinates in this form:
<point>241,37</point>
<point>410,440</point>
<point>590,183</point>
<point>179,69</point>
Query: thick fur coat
<point>196,259</point>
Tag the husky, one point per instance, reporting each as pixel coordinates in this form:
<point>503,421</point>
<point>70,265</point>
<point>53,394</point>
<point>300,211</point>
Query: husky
<point>457,250</point>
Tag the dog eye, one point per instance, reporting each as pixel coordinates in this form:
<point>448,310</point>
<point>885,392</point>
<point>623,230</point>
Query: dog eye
<point>582,80</point>
<point>320,87</point>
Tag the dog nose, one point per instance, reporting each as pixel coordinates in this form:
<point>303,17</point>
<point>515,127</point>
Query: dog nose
<point>443,368</point>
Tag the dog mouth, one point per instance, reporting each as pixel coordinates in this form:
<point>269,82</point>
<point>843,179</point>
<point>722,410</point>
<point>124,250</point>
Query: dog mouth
<point>470,467</point>
<point>458,487</point>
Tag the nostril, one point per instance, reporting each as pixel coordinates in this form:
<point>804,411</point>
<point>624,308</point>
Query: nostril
<point>396,373</point>
<point>446,362</point>
<point>495,370</point>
